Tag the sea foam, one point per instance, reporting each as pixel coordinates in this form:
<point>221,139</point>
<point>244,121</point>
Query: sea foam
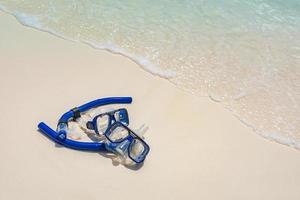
<point>243,54</point>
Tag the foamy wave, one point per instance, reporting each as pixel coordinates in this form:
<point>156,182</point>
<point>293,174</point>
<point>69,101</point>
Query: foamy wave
<point>242,54</point>
<point>273,136</point>
<point>144,63</point>
<point>3,8</point>
<point>25,19</point>
<point>34,22</point>
<point>28,20</point>
<point>278,137</point>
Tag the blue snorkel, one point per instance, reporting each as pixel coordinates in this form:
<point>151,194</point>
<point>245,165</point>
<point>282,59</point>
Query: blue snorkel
<point>60,136</point>
<point>90,146</point>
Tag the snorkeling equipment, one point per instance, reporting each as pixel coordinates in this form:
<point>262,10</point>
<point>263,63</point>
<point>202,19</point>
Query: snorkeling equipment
<point>121,140</point>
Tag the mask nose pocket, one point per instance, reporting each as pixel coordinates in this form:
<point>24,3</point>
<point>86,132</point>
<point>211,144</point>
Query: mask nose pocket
<point>122,148</point>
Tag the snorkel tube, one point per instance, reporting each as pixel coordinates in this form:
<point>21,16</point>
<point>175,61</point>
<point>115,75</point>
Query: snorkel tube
<point>60,136</point>
<point>90,146</point>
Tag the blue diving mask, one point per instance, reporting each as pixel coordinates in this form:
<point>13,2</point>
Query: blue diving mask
<point>120,139</point>
<point>126,143</point>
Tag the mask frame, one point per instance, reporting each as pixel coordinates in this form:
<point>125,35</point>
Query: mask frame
<point>123,118</point>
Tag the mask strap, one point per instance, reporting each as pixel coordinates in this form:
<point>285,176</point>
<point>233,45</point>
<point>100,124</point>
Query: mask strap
<point>141,131</point>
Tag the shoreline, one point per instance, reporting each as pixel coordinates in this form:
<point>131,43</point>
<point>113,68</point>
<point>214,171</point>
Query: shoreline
<point>199,149</point>
<point>143,63</point>
<point>279,137</point>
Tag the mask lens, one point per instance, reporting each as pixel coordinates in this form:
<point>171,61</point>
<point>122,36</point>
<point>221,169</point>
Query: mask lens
<point>118,134</point>
<point>138,150</point>
<point>102,123</point>
<point>122,116</point>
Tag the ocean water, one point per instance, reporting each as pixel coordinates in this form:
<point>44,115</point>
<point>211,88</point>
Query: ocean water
<point>243,54</point>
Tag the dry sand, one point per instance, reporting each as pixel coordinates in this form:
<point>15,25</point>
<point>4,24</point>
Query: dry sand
<point>198,149</point>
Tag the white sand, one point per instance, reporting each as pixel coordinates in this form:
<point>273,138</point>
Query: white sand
<point>199,150</point>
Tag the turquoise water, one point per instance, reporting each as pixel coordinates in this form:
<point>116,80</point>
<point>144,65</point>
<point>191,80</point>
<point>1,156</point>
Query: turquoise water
<point>244,54</point>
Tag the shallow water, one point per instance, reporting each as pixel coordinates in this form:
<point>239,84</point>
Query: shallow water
<point>245,54</point>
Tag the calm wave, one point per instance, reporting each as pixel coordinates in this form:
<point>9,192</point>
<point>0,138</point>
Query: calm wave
<point>245,54</point>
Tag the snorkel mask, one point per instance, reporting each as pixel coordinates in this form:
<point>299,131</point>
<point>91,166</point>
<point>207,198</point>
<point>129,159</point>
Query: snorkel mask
<point>126,143</point>
<point>120,139</point>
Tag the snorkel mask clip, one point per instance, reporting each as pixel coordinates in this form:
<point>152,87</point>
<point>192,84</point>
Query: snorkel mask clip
<point>76,113</point>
